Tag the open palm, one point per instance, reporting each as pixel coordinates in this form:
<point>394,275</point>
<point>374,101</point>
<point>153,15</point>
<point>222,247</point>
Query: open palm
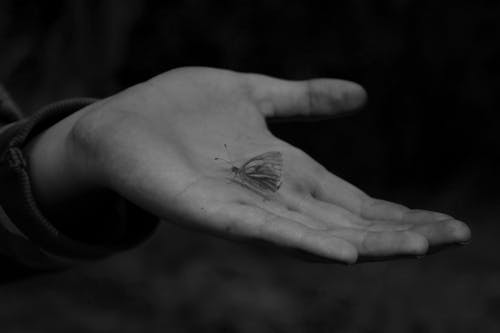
<point>156,144</point>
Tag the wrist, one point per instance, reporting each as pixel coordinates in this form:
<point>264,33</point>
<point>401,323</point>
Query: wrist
<point>58,171</point>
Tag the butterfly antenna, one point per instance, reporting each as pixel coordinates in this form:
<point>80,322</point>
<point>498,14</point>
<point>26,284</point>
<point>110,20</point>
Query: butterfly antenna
<point>227,152</point>
<point>224,160</point>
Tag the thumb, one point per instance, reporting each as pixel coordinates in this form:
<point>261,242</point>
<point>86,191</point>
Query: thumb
<point>316,97</point>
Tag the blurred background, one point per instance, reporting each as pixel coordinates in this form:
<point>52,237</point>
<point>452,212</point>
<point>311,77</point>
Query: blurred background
<point>428,138</point>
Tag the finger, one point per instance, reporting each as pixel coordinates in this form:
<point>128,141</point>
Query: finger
<point>372,208</point>
<point>254,222</point>
<point>375,214</point>
<point>377,209</point>
<point>334,190</point>
<point>340,243</point>
<point>384,243</point>
<point>338,216</point>
<point>437,227</point>
<point>444,232</point>
<point>320,97</point>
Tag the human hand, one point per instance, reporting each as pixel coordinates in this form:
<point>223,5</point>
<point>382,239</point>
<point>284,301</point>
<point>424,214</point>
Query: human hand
<point>155,144</point>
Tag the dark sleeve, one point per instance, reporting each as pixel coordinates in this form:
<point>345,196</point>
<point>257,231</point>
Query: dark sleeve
<point>31,242</point>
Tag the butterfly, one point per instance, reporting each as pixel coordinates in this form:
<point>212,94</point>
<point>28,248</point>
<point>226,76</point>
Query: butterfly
<point>261,173</point>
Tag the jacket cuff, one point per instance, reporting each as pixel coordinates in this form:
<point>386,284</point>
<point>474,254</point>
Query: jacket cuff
<point>132,224</point>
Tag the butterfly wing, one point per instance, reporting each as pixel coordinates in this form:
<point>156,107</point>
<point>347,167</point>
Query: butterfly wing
<point>263,171</point>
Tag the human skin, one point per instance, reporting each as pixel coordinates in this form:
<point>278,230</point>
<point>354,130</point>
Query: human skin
<point>155,144</point>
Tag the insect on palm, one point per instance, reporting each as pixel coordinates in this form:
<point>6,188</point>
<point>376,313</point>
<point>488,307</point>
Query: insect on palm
<point>261,173</point>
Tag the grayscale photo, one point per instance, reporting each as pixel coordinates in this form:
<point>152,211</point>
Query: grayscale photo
<point>249,166</point>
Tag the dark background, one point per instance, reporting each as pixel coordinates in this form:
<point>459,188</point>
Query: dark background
<point>428,138</point>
